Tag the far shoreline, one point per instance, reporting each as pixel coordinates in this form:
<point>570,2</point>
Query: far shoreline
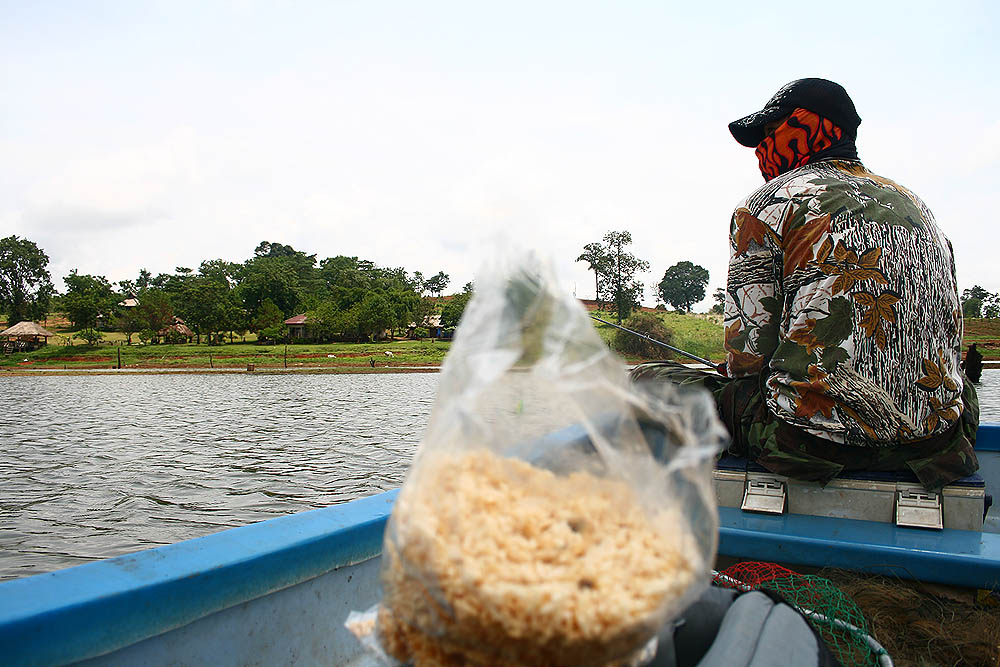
<point>303,370</point>
<point>307,370</point>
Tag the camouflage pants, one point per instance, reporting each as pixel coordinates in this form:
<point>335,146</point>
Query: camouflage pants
<point>788,450</point>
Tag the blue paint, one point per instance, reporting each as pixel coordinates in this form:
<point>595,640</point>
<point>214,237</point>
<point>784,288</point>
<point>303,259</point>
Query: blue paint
<point>957,557</point>
<point>92,609</point>
<point>988,438</point>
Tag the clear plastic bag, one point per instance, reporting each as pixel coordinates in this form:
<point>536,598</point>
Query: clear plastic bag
<point>555,514</point>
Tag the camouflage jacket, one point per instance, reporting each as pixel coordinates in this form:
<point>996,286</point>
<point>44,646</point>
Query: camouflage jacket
<point>842,292</point>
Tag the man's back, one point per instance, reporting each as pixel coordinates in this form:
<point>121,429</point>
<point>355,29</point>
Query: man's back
<point>844,281</point>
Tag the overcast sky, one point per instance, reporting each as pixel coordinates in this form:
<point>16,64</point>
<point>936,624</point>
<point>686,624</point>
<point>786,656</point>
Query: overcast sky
<point>153,135</point>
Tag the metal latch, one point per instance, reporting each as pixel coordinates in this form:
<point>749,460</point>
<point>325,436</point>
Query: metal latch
<point>918,508</point>
<point>764,494</point>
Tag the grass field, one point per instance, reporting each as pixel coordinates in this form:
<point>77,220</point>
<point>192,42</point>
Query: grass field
<point>696,333</point>
<point>343,356</point>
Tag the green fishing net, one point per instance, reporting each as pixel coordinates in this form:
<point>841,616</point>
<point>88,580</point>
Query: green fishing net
<point>830,611</point>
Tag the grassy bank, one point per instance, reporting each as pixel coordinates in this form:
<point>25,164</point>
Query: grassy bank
<point>986,334</point>
<point>696,333</point>
<point>344,356</point>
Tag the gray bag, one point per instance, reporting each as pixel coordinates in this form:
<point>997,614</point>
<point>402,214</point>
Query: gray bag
<point>725,628</point>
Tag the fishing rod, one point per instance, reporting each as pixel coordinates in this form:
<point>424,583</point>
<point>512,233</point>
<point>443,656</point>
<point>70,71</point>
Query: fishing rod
<point>660,343</point>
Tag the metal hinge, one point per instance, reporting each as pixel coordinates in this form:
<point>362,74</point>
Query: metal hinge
<point>918,508</point>
<point>764,494</point>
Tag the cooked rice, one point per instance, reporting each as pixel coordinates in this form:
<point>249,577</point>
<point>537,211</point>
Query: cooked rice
<point>492,561</point>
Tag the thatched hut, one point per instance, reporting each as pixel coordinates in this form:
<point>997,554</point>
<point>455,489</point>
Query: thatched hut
<point>24,336</point>
<point>177,330</point>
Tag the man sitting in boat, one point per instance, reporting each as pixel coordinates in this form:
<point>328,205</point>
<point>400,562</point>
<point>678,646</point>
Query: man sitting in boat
<point>842,317</point>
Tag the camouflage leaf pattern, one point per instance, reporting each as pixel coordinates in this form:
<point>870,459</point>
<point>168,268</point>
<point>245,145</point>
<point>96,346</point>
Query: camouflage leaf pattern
<point>841,286</point>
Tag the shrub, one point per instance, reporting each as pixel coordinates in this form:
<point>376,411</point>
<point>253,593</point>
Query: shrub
<point>271,334</point>
<point>174,337</point>
<point>91,336</point>
<point>630,345</point>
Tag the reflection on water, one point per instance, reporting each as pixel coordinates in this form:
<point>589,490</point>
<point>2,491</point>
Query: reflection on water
<point>98,466</point>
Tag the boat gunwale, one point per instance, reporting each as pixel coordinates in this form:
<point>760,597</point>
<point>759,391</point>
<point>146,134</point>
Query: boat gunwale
<point>96,608</point>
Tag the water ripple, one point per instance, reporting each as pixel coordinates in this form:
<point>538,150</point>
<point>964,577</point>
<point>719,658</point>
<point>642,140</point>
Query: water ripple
<point>97,466</point>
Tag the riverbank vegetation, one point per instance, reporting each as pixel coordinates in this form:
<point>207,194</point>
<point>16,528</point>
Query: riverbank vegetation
<point>699,334</point>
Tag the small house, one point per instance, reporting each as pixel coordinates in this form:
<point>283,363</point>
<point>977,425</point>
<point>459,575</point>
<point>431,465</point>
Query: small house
<point>176,330</point>
<point>297,327</point>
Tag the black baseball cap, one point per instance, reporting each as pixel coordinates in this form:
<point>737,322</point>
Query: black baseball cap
<point>826,98</point>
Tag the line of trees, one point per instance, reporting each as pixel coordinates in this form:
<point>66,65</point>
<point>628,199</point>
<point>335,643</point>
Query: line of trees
<point>343,297</point>
<point>615,269</point>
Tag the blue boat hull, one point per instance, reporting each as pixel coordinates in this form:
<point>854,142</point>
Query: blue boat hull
<point>278,592</point>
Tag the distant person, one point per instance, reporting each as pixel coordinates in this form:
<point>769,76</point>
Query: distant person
<point>842,317</point>
<point>973,363</point>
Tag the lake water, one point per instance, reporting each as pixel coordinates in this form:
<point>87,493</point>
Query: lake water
<point>98,466</point>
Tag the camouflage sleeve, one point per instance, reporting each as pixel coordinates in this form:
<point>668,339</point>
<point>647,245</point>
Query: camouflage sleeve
<point>752,309</point>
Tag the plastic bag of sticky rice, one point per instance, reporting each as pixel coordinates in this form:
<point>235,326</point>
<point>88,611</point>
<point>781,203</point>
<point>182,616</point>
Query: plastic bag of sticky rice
<point>555,514</point>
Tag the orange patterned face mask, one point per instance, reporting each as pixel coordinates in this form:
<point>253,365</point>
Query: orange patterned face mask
<point>804,137</point>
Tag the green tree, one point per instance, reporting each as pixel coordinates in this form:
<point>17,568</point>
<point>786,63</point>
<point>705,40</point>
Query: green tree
<point>974,299</point>
<point>683,285</point>
<point>271,278</point>
<point>210,307</point>
<point>128,321</point>
<point>87,298</point>
<point>596,255</point>
<point>619,282</point>
<point>438,283</point>
<point>991,306</point>
<point>452,311</point>
<point>268,315</point>
<point>25,283</point>
<point>374,315</point>
<point>972,307</point>
<point>155,310</point>
<point>719,296</point>
<point>89,336</point>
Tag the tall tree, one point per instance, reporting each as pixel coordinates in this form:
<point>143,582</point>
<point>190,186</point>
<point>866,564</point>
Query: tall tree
<point>719,296</point>
<point>375,315</point>
<point>25,283</point>
<point>596,255</point>
<point>155,309</point>
<point>452,311</point>
<point>438,283</point>
<point>619,280</point>
<point>273,278</point>
<point>973,300</point>
<point>683,285</point>
<point>210,307</point>
<point>87,298</point>
<point>128,321</point>
<point>268,315</point>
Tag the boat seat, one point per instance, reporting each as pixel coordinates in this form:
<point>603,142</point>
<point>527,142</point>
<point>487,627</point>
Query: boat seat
<point>892,497</point>
<point>742,463</point>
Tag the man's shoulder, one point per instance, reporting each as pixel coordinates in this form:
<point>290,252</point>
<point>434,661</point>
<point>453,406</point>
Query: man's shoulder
<point>804,181</point>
